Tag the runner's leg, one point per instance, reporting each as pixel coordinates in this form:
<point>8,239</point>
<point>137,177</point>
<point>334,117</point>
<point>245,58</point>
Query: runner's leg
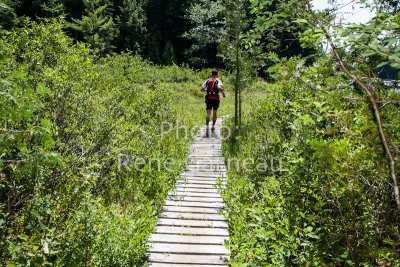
<point>214,117</point>
<point>215,108</point>
<point>208,117</point>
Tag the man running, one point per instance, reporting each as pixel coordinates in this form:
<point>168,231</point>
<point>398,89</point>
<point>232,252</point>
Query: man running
<point>213,86</point>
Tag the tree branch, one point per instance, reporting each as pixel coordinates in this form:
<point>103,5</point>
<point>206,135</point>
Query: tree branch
<point>393,102</point>
<point>369,90</point>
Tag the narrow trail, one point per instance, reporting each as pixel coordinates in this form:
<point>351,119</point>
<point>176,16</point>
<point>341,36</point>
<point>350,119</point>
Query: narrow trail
<point>190,230</point>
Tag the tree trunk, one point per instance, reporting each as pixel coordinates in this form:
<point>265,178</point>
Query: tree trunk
<point>237,80</point>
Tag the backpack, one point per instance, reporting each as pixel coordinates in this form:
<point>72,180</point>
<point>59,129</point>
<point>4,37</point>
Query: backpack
<point>212,87</point>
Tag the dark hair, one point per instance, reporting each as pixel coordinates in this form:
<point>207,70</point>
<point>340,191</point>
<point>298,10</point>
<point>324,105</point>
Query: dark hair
<point>214,72</point>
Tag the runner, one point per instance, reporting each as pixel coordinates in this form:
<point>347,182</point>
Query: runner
<point>213,86</point>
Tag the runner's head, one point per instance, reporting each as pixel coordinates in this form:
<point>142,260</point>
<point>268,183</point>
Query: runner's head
<point>214,73</point>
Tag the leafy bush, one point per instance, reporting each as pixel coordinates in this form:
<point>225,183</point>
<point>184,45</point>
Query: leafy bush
<point>73,127</point>
<point>324,198</point>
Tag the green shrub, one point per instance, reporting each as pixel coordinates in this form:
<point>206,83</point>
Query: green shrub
<point>324,198</point>
<point>72,127</point>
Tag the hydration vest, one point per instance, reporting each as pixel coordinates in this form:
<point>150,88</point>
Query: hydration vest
<point>212,89</point>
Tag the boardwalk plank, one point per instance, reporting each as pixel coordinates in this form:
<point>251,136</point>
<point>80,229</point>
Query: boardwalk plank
<point>187,258</point>
<point>192,231</point>
<point>194,194</point>
<point>193,223</point>
<point>197,190</point>
<point>188,239</point>
<point>192,216</point>
<point>190,209</point>
<point>194,204</point>
<point>159,264</point>
<point>203,174</point>
<point>206,199</point>
<point>196,249</point>
<point>190,185</point>
<point>198,181</point>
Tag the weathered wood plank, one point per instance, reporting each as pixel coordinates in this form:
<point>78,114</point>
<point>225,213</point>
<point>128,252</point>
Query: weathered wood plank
<point>206,147</point>
<point>193,223</point>
<point>203,158</point>
<point>199,180</point>
<point>197,190</point>
<point>206,168</point>
<point>192,216</point>
<point>208,164</point>
<point>159,264</point>
<point>210,204</point>
<point>205,175</point>
<point>188,259</point>
<point>206,199</point>
<point>188,239</point>
<point>194,194</point>
<point>190,209</point>
<point>197,249</point>
<point>191,231</point>
<point>210,153</point>
<point>190,185</point>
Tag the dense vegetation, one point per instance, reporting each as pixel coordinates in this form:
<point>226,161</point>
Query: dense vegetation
<point>163,31</point>
<point>318,193</point>
<point>316,183</point>
<point>86,85</point>
<point>73,126</point>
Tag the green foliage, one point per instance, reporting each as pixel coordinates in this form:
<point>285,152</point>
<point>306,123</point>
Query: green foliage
<point>131,25</point>
<point>168,55</point>
<point>97,26</point>
<point>274,29</point>
<point>166,22</point>
<point>205,33</point>
<point>50,8</point>
<point>72,128</point>
<point>7,15</point>
<point>323,198</point>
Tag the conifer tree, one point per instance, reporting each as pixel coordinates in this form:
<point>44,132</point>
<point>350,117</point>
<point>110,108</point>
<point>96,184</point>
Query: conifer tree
<point>97,26</point>
<point>131,21</point>
<point>7,15</point>
<point>168,55</point>
<point>50,8</point>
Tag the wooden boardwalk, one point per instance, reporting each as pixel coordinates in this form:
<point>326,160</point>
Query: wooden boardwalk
<point>190,230</point>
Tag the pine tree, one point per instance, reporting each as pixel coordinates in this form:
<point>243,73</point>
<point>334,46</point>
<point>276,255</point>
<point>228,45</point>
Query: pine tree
<point>131,25</point>
<point>7,15</point>
<point>50,8</point>
<point>166,20</point>
<point>168,55</point>
<point>153,47</point>
<point>97,26</point>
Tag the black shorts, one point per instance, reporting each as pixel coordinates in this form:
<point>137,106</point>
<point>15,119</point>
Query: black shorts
<point>212,104</point>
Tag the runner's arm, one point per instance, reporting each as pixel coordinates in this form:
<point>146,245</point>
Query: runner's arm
<point>204,87</point>
<point>220,88</point>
